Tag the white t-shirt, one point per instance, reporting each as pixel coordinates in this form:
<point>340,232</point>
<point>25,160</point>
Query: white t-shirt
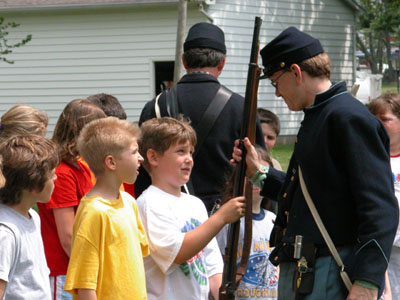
<point>166,218</point>
<point>395,164</point>
<point>30,279</point>
<point>261,277</point>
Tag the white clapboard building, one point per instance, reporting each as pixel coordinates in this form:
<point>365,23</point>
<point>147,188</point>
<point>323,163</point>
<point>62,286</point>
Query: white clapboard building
<point>123,47</point>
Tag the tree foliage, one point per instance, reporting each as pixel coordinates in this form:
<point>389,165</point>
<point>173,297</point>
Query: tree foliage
<point>6,47</point>
<point>377,28</point>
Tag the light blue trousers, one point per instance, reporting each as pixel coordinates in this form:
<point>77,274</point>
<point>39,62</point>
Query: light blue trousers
<point>394,272</point>
<point>328,284</point>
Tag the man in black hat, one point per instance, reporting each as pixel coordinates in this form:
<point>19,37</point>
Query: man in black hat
<point>343,152</point>
<point>204,59</point>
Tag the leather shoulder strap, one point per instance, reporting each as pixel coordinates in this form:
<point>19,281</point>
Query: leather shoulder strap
<point>172,102</point>
<point>323,231</point>
<point>211,114</point>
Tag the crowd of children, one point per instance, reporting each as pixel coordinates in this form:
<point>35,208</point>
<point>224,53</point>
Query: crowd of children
<point>90,240</point>
<point>94,241</point>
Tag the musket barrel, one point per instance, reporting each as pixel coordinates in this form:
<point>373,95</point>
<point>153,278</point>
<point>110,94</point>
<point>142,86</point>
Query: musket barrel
<point>229,284</point>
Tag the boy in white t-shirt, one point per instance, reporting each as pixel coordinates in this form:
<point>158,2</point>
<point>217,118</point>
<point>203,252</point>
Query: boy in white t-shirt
<point>29,163</point>
<point>185,262</point>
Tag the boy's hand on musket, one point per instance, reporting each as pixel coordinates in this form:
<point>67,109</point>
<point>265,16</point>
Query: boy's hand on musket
<point>252,160</point>
<point>232,210</point>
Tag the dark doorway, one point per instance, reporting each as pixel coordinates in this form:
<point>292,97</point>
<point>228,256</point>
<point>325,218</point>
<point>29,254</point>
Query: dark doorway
<point>164,75</point>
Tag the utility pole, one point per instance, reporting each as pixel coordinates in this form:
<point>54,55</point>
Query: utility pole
<point>180,36</point>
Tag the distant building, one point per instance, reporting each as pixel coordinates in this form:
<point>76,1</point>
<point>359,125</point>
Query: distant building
<point>126,48</point>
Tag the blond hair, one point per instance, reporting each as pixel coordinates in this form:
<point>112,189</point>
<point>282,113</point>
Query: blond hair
<point>23,119</point>
<point>161,134</point>
<point>102,137</point>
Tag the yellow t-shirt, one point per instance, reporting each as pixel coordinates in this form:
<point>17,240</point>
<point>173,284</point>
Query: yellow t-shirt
<point>108,246</point>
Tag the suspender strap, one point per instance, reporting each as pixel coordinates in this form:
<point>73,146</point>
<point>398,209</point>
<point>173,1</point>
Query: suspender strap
<point>324,232</point>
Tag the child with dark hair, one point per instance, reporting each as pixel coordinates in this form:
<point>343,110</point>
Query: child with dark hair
<point>271,127</point>
<point>109,104</point>
<point>28,167</point>
<point>73,182</point>
<point>261,277</point>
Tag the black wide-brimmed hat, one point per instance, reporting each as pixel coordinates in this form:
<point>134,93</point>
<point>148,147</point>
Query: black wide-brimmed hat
<point>205,35</point>
<point>289,47</point>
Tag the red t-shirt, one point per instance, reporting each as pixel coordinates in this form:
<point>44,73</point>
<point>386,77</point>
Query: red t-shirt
<point>71,185</point>
<point>129,188</point>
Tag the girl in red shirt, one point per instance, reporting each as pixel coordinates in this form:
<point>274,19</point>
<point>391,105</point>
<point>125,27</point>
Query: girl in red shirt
<point>72,183</point>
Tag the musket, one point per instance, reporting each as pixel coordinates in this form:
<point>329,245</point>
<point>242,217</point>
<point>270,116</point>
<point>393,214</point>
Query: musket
<point>232,274</point>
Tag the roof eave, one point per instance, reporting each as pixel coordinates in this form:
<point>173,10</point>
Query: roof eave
<point>352,4</point>
<point>87,5</point>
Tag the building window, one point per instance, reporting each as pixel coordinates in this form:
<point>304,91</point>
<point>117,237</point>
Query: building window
<point>164,75</point>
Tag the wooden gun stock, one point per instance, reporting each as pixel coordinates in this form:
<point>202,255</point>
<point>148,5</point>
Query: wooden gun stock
<point>232,275</point>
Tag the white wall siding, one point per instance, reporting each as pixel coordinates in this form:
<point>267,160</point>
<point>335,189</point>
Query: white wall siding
<point>331,21</point>
<point>76,53</point>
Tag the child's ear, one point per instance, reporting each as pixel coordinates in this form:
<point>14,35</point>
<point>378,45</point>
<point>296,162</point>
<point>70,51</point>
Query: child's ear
<point>109,161</point>
<point>152,157</point>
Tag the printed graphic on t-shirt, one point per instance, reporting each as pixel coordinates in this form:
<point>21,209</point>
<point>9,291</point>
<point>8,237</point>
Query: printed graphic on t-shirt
<point>261,277</point>
<point>195,265</point>
<point>396,179</point>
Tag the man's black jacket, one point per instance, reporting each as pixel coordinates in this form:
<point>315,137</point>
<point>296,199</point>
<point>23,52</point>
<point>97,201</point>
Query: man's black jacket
<point>211,167</point>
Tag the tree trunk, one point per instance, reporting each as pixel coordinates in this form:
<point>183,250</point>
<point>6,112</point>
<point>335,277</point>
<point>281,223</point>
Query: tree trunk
<point>180,36</point>
<point>373,64</point>
<point>391,74</point>
<point>364,49</point>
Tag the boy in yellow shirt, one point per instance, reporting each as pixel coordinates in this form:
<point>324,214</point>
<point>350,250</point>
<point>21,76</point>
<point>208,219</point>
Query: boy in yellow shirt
<point>108,237</point>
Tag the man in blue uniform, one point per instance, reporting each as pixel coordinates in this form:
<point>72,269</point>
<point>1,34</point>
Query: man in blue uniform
<point>343,152</point>
<point>204,59</point>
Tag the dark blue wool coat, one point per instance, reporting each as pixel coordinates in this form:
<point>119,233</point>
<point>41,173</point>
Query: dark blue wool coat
<point>343,151</point>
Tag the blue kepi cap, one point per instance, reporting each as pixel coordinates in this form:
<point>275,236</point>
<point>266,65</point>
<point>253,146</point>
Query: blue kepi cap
<point>289,47</point>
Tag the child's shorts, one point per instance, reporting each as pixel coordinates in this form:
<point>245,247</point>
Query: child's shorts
<point>57,288</point>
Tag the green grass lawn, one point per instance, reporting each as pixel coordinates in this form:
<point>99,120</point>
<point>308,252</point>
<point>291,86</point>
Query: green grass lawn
<point>389,87</point>
<point>282,153</point>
